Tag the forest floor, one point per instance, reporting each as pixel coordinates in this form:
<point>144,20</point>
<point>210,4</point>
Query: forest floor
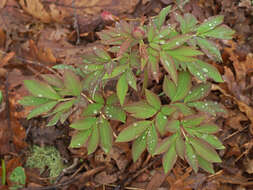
<point>37,34</point>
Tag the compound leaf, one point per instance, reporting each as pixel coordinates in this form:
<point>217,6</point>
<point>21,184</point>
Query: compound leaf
<point>92,109</point>
<point>169,158</point>
<point>169,65</point>
<point>210,24</point>
<point>198,92</point>
<point>44,108</point>
<point>169,87</point>
<point>183,86</point>
<point>115,113</point>
<point>84,124</point>
<point>191,157</point>
<point>140,110</point>
<point>207,166</point>
<point>208,107</point>
<point>161,121</point>
<point>133,131</point>
<point>204,150</point>
<point>79,139</point>
<point>160,19</point>
<point>220,32</point>
<point>153,99</point>
<point>209,48</point>
<point>41,89</point>
<point>139,145</point>
<point>152,139</point>
<point>106,137</point>
<point>72,83</point>
<point>122,88</point>
<point>33,101</point>
<point>94,140</point>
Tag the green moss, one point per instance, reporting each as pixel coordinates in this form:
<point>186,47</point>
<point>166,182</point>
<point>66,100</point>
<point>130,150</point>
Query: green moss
<point>42,157</point>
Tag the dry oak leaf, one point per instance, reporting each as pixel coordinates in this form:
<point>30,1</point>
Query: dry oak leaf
<point>36,9</point>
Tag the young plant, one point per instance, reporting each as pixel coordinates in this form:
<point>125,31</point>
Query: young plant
<point>131,54</point>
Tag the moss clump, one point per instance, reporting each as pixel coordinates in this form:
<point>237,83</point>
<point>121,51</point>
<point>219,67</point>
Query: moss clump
<point>42,157</point>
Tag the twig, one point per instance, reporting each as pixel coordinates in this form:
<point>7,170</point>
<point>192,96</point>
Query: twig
<point>31,62</point>
<point>76,27</point>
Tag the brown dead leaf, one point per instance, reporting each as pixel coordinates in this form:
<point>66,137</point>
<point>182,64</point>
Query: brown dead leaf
<point>2,37</point>
<point>7,58</point>
<point>2,3</point>
<point>104,178</point>
<point>157,180</point>
<point>5,138</point>
<point>36,9</point>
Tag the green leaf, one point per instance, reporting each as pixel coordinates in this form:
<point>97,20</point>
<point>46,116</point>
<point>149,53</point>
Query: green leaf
<point>122,88</point>
<point>72,83</point>
<point>165,144</point>
<point>184,109</point>
<point>168,110</point>
<point>33,101</point>
<point>169,87</point>
<point>204,150</point>
<point>140,110</point>
<point>41,89</point>
<point>116,72</point>
<point>152,139</point>
<point>92,109</point>
<point>153,99</point>
<point>169,65</point>
<point>160,122</point>
<point>210,24</point>
<point>98,98</point>
<point>208,107</point>
<point>115,113</point>
<point>79,139</point>
<point>221,32</point>
<point>207,166</point>
<point>173,126</point>
<point>206,70</point>
<point>84,124</point>
<point>101,53</point>
<point>1,97</point>
<point>183,86</point>
<point>93,141</point>
<point>54,120</point>
<point>138,147</point>
<point>209,48</point>
<point>169,158</point>
<point>198,92</point>
<point>106,137</point>
<point>131,79</point>
<point>191,157</point>
<point>194,121</point>
<point>64,106</point>
<point>188,23</point>
<point>212,140</point>
<point>150,32</point>
<point>41,109</point>
<point>53,80</point>
<point>207,128</point>
<point>180,146</point>
<point>176,41</point>
<point>133,131</point>
<point>185,51</point>
<point>160,18</point>
<point>112,100</point>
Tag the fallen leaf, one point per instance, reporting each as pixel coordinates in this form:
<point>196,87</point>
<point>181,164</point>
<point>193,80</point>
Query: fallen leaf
<point>2,3</point>
<point>36,9</point>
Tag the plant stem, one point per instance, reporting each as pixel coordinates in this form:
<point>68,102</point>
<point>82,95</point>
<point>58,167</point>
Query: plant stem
<point>3,172</point>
